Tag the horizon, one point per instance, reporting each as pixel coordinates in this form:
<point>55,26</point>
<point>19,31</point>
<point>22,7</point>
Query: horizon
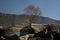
<point>23,14</point>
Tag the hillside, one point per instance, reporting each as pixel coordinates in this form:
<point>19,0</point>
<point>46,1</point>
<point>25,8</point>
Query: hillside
<point>7,19</point>
<point>12,19</point>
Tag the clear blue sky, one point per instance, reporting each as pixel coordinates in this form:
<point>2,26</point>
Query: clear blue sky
<point>49,8</point>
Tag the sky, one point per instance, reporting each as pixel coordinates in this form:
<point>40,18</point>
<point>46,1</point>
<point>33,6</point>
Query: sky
<point>49,8</point>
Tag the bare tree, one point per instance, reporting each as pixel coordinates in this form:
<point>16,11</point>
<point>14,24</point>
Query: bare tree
<point>32,10</point>
<point>33,13</point>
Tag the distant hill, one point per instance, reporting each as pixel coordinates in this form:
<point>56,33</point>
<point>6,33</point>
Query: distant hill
<point>6,19</point>
<point>12,19</point>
